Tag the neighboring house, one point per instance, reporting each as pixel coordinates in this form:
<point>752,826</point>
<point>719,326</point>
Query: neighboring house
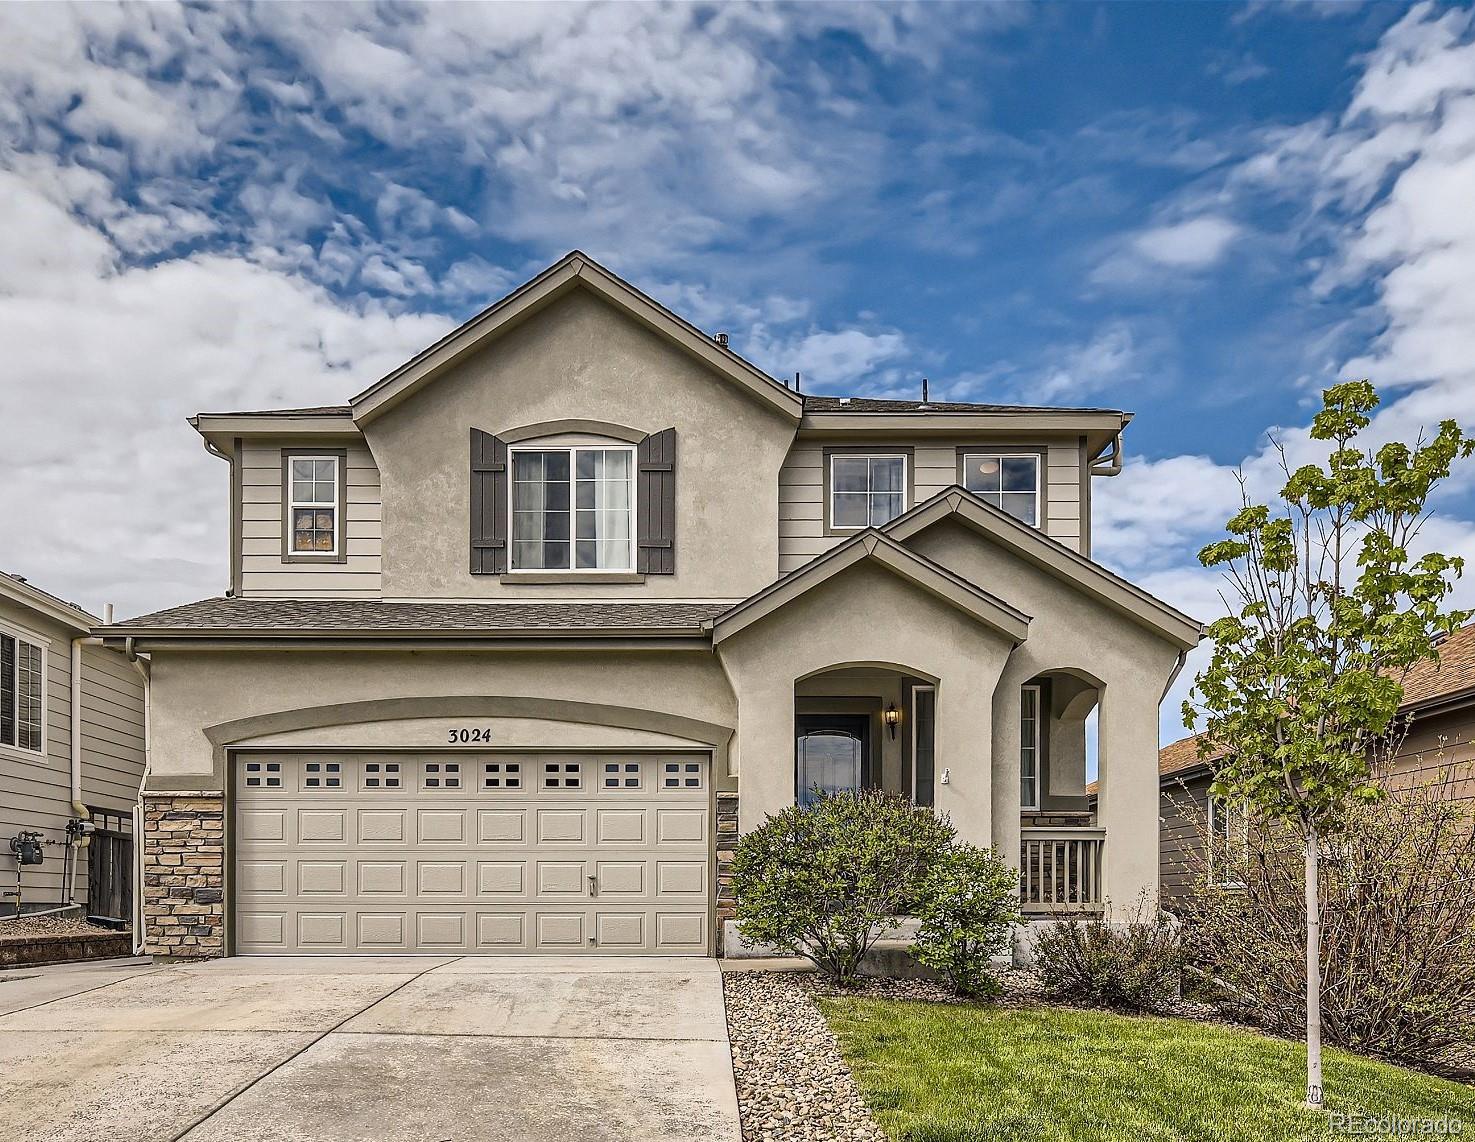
<point>521,638</point>
<point>1439,697</point>
<point>71,749</point>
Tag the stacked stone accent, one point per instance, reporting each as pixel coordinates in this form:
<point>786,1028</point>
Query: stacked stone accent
<point>727,838</point>
<point>184,875</point>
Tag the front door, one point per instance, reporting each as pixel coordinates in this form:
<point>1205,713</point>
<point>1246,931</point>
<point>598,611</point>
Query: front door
<point>830,753</point>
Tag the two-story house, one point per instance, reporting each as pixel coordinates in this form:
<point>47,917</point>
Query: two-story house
<point>520,639</point>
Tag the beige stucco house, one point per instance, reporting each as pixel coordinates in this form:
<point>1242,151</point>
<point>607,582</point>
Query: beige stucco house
<point>521,638</point>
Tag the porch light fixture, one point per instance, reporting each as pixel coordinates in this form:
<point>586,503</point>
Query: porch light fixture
<point>892,717</point>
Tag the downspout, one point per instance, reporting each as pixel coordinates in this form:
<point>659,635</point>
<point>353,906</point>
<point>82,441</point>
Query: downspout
<point>142,666</point>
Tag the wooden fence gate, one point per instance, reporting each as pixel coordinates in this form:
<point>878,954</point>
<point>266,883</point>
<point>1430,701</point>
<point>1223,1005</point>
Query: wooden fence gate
<point>110,874</point>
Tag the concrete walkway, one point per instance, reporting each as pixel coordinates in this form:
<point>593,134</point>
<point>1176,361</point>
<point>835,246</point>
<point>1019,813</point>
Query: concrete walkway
<point>393,1049</point>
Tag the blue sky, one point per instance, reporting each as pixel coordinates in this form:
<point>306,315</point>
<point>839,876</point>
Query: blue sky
<point>1200,212</point>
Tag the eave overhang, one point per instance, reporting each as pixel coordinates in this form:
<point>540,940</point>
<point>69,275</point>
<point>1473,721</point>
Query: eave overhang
<point>1052,556</point>
<point>57,610</point>
<point>1099,429</point>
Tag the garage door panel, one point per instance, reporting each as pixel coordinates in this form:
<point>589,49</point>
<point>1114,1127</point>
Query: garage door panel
<point>563,854</point>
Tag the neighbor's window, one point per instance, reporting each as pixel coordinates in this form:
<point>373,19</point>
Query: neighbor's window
<point>22,694</point>
<point>1029,748</point>
<point>1011,482</point>
<point>1228,841</point>
<point>866,491</point>
<point>572,509</point>
<point>313,505</point>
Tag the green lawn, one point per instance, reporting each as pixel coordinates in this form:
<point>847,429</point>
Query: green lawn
<point>970,1073</point>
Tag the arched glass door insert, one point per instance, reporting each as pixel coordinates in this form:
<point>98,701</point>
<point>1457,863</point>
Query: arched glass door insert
<point>829,755</point>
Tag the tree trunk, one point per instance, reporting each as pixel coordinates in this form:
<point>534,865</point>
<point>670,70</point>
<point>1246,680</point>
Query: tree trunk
<point>1313,973</point>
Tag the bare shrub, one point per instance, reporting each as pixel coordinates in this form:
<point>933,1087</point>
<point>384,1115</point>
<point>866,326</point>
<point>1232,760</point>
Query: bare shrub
<point>1398,914</point>
<point>1132,965</point>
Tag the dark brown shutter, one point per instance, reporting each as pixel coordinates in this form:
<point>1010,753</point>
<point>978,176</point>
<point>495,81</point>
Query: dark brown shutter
<point>655,486</point>
<point>488,504</point>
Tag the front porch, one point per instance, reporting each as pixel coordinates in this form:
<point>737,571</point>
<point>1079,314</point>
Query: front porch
<point>872,727</point>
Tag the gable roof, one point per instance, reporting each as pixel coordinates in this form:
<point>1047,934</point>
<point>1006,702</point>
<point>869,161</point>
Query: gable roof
<point>1450,675</point>
<point>574,270</point>
<point>1051,556</point>
<point>884,551</point>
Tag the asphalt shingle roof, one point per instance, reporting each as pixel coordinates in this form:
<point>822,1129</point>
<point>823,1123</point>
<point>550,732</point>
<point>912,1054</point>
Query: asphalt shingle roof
<point>870,404</point>
<point>285,615</point>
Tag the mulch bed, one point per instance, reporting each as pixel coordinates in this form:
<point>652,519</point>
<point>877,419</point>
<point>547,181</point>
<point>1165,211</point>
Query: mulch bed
<point>31,941</point>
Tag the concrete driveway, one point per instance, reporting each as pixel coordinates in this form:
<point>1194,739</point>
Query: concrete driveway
<point>370,1050</point>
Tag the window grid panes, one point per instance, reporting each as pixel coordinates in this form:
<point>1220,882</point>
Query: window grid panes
<point>1008,482</point>
<point>562,775</point>
<point>381,775</point>
<point>442,775</point>
<point>622,775</point>
<point>501,775</point>
<point>1029,748</point>
<point>866,491</point>
<point>22,694</point>
<point>314,505</point>
<point>573,509</point>
<point>323,775</point>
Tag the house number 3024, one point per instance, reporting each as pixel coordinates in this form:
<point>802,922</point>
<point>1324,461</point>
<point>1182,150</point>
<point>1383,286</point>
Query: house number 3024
<point>468,737</point>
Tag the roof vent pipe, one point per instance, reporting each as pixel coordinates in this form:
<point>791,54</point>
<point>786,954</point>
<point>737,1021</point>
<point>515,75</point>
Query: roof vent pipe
<point>721,339</point>
<point>924,390</point>
<point>796,383</point>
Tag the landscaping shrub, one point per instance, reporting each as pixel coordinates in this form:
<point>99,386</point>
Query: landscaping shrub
<point>1398,926</point>
<point>1134,965</point>
<point>823,880</point>
<point>970,899</point>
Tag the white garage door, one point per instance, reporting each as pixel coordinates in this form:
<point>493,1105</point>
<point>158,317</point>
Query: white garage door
<point>559,853</point>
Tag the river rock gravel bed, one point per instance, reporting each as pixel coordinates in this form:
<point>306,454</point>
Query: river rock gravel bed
<point>792,1084</point>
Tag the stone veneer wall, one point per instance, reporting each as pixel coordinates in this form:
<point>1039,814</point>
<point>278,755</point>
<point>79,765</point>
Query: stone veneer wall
<point>184,875</point>
<point>727,837</point>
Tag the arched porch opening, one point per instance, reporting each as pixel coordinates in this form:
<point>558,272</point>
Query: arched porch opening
<point>1061,845</point>
<point>865,726</point>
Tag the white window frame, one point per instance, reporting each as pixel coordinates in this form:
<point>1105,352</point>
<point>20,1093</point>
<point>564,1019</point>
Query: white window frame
<point>572,450</point>
<point>912,713</point>
<point>877,455</point>
<point>1033,805</point>
<point>293,503</point>
<point>1039,463</point>
<point>1217,806</point>
<point>41,643</point>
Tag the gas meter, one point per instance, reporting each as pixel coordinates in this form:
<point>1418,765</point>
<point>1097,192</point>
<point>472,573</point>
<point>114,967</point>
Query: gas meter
<point>26,847</point>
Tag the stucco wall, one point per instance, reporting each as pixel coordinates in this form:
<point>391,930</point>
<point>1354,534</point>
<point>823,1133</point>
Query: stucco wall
<point>581,359</point>
<point>1071,632</point>
<point>866,616</point>
<point>194,691</point>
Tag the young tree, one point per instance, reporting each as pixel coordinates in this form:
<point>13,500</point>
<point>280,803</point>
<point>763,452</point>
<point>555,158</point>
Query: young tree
<point>1329,611</point>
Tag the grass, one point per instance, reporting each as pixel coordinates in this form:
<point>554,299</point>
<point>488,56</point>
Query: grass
<point>976,1073</point>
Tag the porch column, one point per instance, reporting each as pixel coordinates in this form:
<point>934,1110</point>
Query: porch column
<point>1006,803</point>
<point>1127,802</point>
<point>962,747</point>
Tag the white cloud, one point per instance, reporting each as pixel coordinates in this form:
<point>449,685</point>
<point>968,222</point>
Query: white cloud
<point>1192,245</point>
<point>1150,256</point>
<point>1110,357</point>
<point>108,495</point>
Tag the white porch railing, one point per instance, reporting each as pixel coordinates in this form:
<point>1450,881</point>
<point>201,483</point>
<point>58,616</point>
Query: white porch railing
<point>1060,870</point>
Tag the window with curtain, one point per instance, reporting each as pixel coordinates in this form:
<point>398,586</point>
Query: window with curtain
<point>1008,482</point>
<point>314,505</point>
<point>1029,748</point>
<point>866,491</point>
<point>22,694</point>
<point>572,509</point>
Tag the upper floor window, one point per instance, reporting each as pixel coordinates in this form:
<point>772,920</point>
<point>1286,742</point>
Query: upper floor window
<point>1007,480</point>
<point>866,490</point>
<point>22,694</point>
<point>313,504</point>
<point>572,509</point>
